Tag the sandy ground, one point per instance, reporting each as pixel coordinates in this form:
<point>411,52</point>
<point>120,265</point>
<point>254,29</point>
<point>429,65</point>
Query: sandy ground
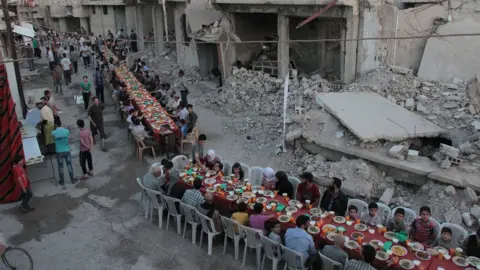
<point>97,224</point>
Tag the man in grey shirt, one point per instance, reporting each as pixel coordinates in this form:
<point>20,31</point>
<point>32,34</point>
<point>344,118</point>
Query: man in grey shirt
<point>74,55</point>
<point>154,179</point>
<point>335,252</point>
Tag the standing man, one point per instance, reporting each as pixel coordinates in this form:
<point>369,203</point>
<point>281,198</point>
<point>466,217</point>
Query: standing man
<point>98,82</point>
<point>100,43</point>
<point>20,177</point>
<point>36,48</point>
<point>74,55</point>
<point>86,87</point>
<point>85,56</point>
<point>133,41</point>
<point>51,59</point>
<point>180,85</point>
<point>95,115</point>
<point>53,107</point>
<point>31,57</point>
<point>62,148</point>
<point>65,62</point>
<point>57,79</point>
<point>120,34</point>
<point>86,142</point>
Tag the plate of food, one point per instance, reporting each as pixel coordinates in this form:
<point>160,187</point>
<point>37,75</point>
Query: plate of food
<point>228,189</point>
<point>251,205</point>
<point>210,181</point>
<point>339,219</point>
<point>474,261</point>
<point>315,217</point>
<point>331,236</point>
<point>350,244</point>
<point>399,251</point>
<point>268,193</point>
<point>188,179</point>
<point>381,255</point>
<point>232,197</point>
<point>460,261</point>
<point>423,255</point>
<point>390,235</point>
<point>284,218</point>
<point>360,227</point>
<point>210,189</point>
<point>376,244</point>
<point>313,229</point>
<point>226,178</point>
<point>329,228</point>
<point>261,200</point>
<point>316,211</point>
<point>432,251</point>
<point>293,202</point>
<point>416,246</point>
<point>247,194</point>
<point>211,173</point>
<point>291,209</point>
<point>273,202</point>
<point>239,184</point>
<point>406,264</point>
<point>441,249</point>
<point>244,200</point>
<point>355,235</point>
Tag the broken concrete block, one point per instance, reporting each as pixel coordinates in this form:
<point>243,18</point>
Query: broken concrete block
<point>470,195</point>
<point>428,84</point>
<point>449,150</point>
<point>472,109</point>
<point>387,196</point>
<point>450,190</point>
<point>422,109</point>
<point>396,150</point>
<point>450,105</point>
<point>409,103</point>
<point>453,216</point>
<point>467,219</point>
<point>475,125</point>
<point>445,164</point>
<point>451,86</point>
<point>412,155</point>
<point>293,135</point>
<point>473,92</point>
<point>475,211</point>
<point>401,70</point>
<point>423,99</point>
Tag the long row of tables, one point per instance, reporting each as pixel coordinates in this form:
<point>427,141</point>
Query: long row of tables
<point>226,205</point>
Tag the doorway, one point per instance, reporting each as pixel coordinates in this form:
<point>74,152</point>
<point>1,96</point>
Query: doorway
<point>207,58</point>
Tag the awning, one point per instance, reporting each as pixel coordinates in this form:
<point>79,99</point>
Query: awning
<point>24,31</point>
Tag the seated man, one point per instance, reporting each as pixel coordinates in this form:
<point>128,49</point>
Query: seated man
<point>138,130</point>
<point>154,179</point>
<point>336,252</point>
<point>334,199</point>
<point>368,255</point>
<point>299,240</point>
<point>183,128</point>
<point>307,190</point>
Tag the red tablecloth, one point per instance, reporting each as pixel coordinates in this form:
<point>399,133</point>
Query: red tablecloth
<point>447,265</point>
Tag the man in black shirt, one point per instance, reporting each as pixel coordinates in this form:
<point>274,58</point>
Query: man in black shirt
<point>471,245</point>
<point>133,41</point>
<point>333,199</point>
<point>95,114</point>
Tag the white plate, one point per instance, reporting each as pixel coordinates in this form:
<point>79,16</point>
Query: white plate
<point>460,261</point>
<point>313,229</point>
<point>232,197</point>
<point>331,228</point>
<point>284,218</point>
<point>291,209</point>
<point>474,261</point>
<point>360,227</point>
<point>416,246</point>
<point>417,254</point>
<point>350,244</point>
<point>293,203</point>
<point>315,211</point>
<point>331,236</point>
<point>339,219</point>
<point>211,189</point>
<point>389,235</point>
<point>210,181</point>
<point>410,264</point>
<point>261,200</point>
<point>242,200</point>
<point>381,255</point>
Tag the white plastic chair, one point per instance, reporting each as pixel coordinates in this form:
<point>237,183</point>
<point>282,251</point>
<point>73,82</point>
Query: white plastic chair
<point>172,211</point>
<point>409,216</point>
<point>361,205</point>
<point>189,212</point>
<point>155,196</point>
<point>246,170</point>
<point>458,233</point>
<point>208,227</point>
<point>255,176</point>
<point>436,229</point>
<point>384,211</point>
<point>252,240</point>
<point>295,182</point>
<point>227,168</point>
<point>272,251</point>
<point>293,260</point>
<point>144,198</point>
<point>230,226</point>
<point>328,263</point>
<point>179,162</point>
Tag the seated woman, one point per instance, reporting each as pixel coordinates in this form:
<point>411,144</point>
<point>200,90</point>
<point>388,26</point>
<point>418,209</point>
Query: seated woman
<point>218,167</point>
<point>283,184</point>
<point>238,171</point>
<point>268,179</point>
<point>210,159</point>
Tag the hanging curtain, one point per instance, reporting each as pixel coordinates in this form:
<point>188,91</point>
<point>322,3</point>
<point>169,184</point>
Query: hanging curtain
<point>10,141</point>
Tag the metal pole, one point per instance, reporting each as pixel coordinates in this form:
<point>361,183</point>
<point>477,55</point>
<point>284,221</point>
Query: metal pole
<point>13,55</point>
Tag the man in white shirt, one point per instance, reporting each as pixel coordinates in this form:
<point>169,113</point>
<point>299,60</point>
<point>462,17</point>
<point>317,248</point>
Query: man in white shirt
<point>51,59</point>
<point>84,52</point>
<point>67,75</point>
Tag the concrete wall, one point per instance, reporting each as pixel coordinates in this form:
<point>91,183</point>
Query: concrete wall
<point>415,21</point>
<point>186,53</point>
<point>100,23</point>
<point>120,19</point>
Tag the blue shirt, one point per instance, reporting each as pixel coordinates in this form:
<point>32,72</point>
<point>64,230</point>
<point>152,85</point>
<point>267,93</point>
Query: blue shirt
<point>299,240</point>
<point>184,130</point>
<point>98,76</point>
<point>60,135</point>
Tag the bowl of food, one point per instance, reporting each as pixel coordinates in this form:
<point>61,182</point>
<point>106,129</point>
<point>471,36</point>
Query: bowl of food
<point>406,264</point>
<point>360,227</point>
<point>262,200</point>
<point>399,250</point>
<point>381,255</point>
<point>460,261</point>
<point>339,219</point>
<point>291,209</point>
<point>423,255</point>
<point>284,218</point>
<point>350,244</point>
<point>331,236</point>
<point>376,243</point>
<point>329,228</point>
<point>389,235</point>
<point>313,229</point>
<point>349,223</point>
<point>416,246</point>
<point>355,235</point>
<point>371,231</point>
<point>474,261</point>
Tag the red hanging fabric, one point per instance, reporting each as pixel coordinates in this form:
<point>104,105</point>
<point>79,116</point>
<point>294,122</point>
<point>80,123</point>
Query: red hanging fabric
<point>10,141</point>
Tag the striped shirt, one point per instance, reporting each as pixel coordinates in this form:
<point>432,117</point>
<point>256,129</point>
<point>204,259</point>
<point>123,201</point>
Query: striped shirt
<point>421,231</point>
<point>357,265</point>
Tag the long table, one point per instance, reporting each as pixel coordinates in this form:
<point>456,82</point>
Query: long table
<point>224,205</point>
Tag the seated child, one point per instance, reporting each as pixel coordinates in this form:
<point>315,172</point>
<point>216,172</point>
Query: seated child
<point>352,212</point>
<point>396,224</point>
<point>274,231</point>
<point>422,228</point>
<point>445,239</point>
<point>183,128</point>
<point>371,218</point>
<point>218,167</point>
<point>241,215</point>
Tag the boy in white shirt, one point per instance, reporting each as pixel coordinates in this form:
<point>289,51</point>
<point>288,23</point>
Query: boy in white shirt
<point>65,62</point>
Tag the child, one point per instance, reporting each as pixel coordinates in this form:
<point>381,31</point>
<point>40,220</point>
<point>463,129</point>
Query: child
<point>422,229</point>
<point>183,127</point>
<point>371,219</point>
<point>275,229</point>
<point>21,177</point>
<point>352,212</point>
<point>218,167</point>
<point>396,223</point>
<point>241,215</point>
<point>445,240</point>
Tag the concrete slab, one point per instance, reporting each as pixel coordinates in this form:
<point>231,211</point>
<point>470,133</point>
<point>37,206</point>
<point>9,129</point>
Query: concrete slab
<point>371,117</point>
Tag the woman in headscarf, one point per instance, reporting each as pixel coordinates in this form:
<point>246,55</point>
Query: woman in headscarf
<point>238,171</point>
<point>210,159</point>
<point>269,180</point>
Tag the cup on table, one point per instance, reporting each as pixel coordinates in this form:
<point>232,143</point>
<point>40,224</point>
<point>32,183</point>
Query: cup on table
<point>441,254</point>
<point>279,214</point>
<point>379,228</point>
<point>274,206</point>
<point>275,192</point>
<point>347,218</point>
<point>230,193</point>
<point>312,222</point>
<point>360,240</point>
<point>458,251</point>
<point>289,214</point>
<point>447,257</point>
<point>371,231</point>
<point>349,223</point>
<point>416,263</point>
<point>395,240</point>
<point>262,188</point>
<point>230,182</point>
<point>307,202</point>
<point>452,252</point>
<point>357,221</point>
<point>269,207</point>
